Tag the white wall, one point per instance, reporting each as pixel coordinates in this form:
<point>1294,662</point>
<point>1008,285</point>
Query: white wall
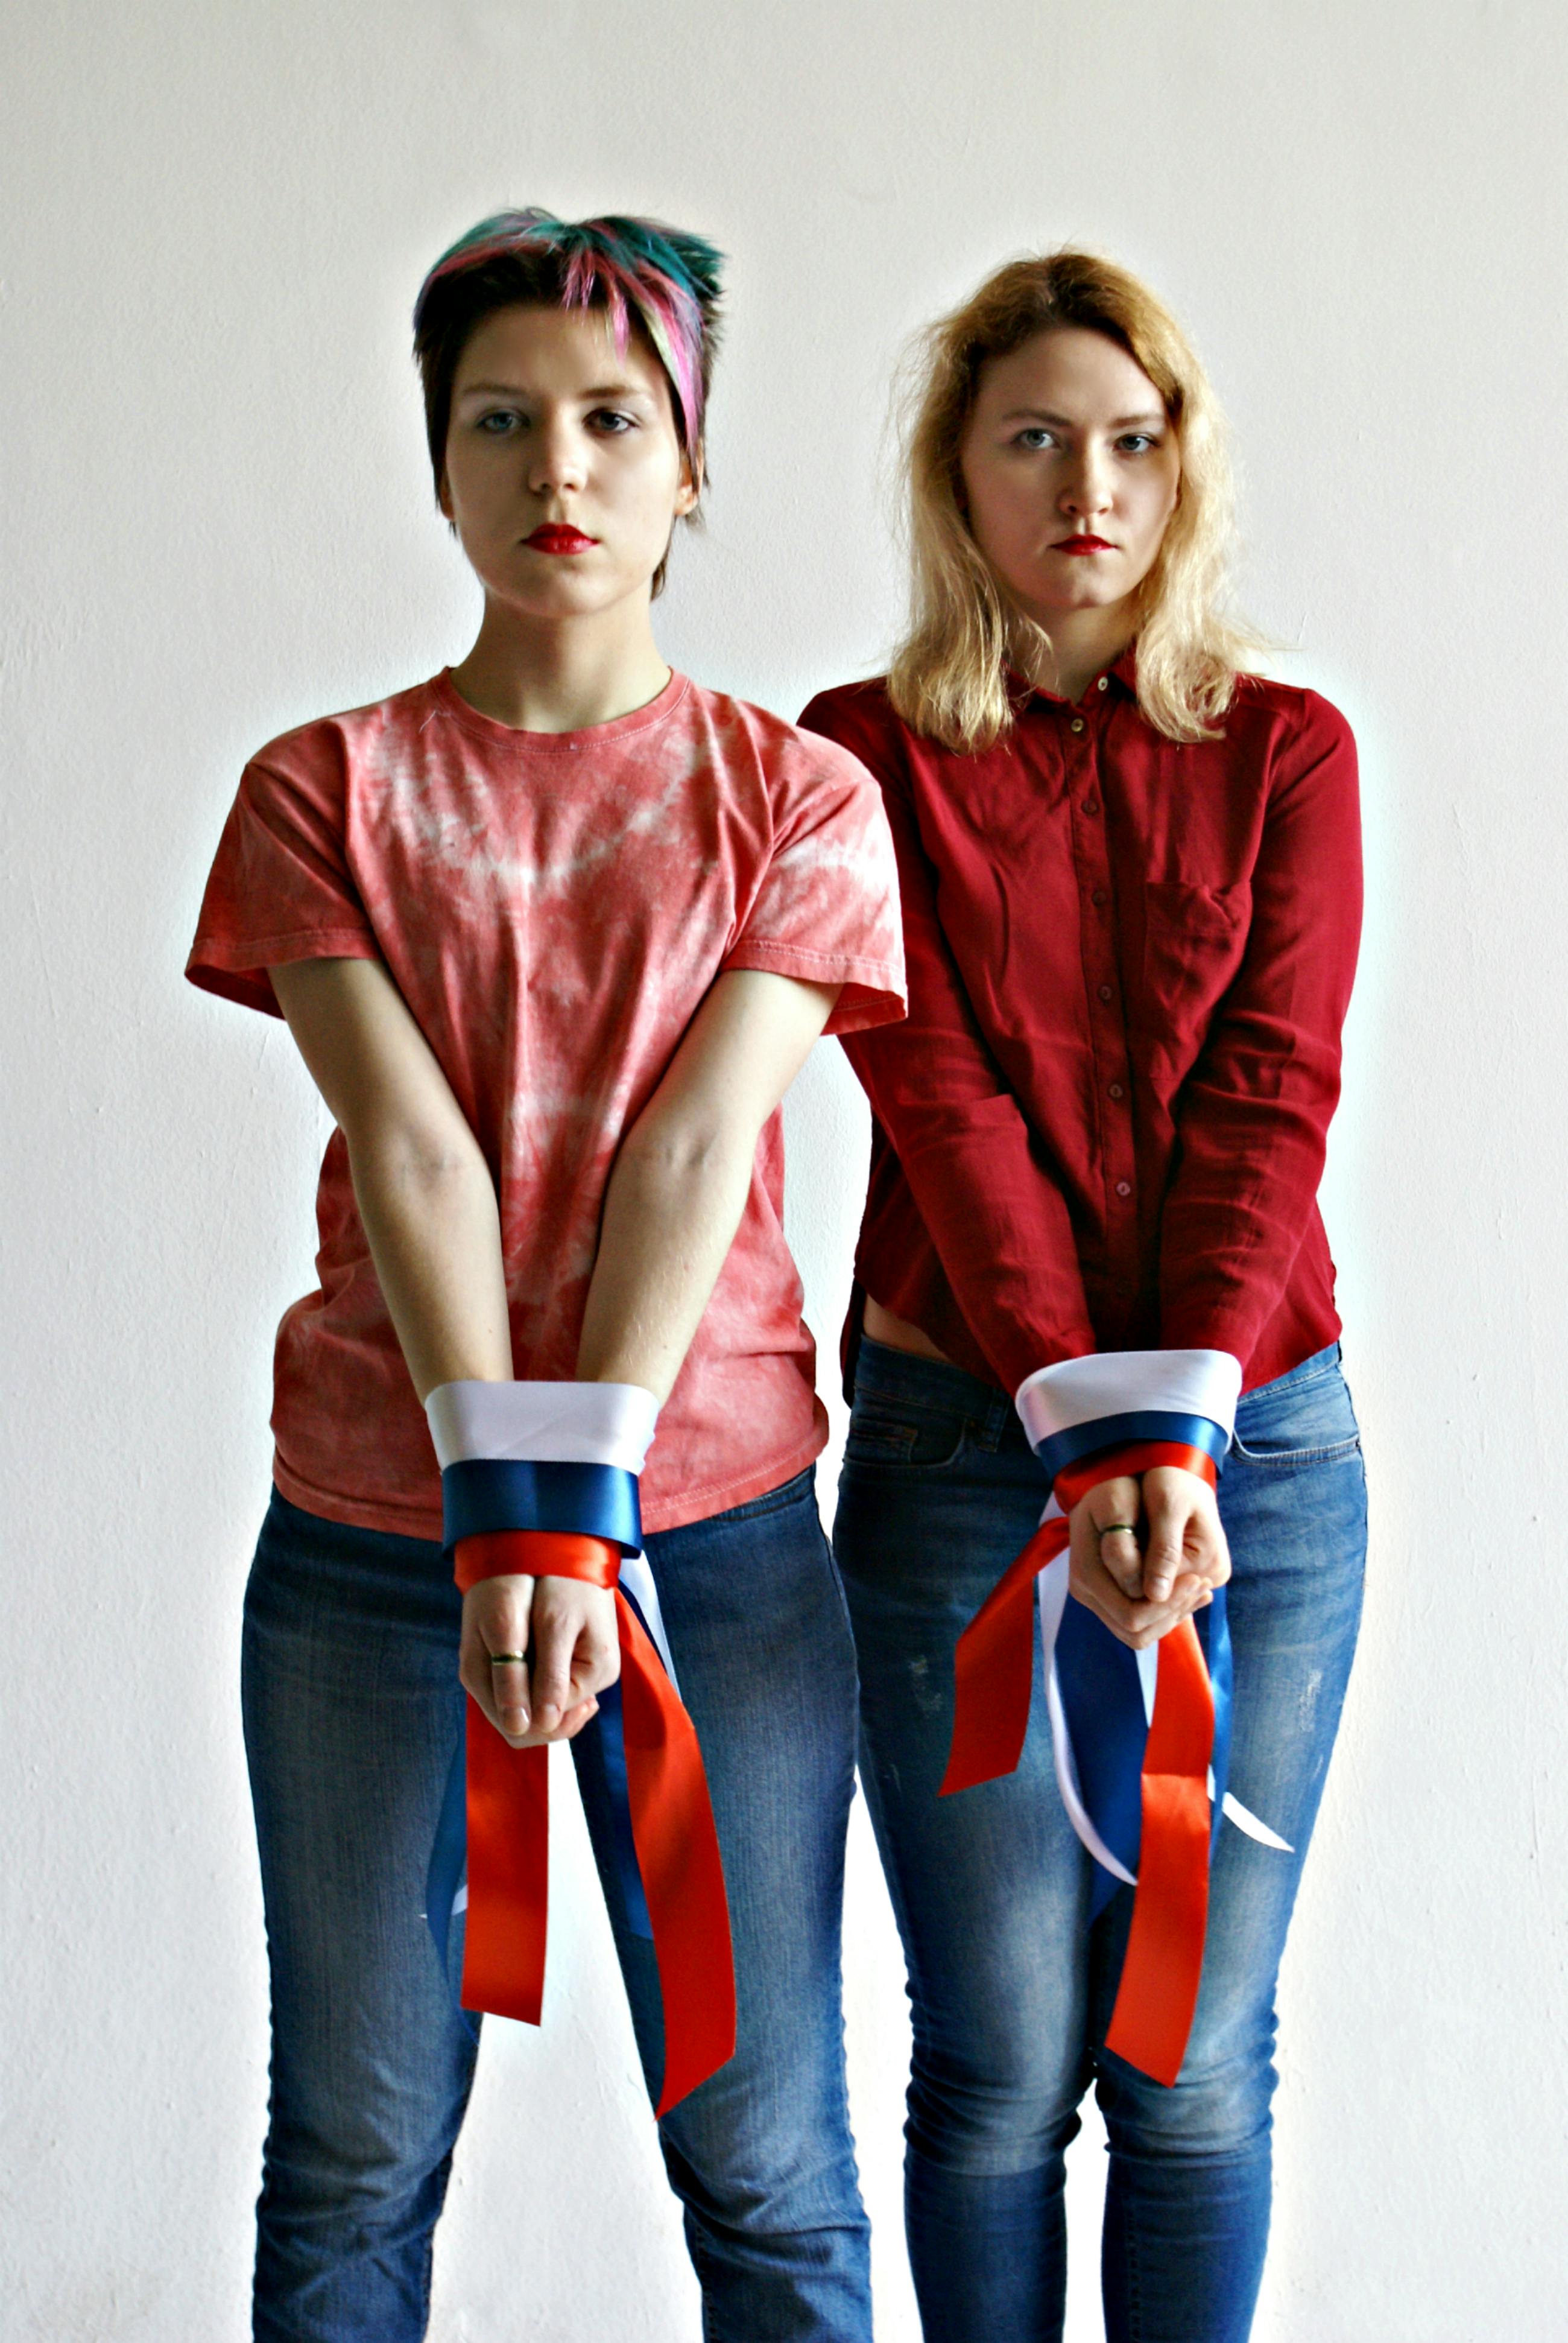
<point>219,524</point>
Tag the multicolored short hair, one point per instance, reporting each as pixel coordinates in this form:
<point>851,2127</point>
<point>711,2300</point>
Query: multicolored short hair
<point>654,279</point>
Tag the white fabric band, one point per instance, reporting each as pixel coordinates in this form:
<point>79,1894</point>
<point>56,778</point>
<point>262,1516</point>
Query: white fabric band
<point>543,1423</point>
<point>1125,1383</point>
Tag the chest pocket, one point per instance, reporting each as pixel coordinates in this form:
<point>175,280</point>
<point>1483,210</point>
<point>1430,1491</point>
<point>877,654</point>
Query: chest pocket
<point>1193,940</point>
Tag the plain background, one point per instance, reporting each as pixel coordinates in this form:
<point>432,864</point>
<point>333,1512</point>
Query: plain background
<point>219,524</point>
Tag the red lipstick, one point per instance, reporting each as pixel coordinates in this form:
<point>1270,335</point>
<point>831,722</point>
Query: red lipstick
<point>1083,545</point>
<point>560,537</point>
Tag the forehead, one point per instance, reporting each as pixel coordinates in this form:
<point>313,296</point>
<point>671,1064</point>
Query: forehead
<point>524,347</point>
<point>1069,371</point>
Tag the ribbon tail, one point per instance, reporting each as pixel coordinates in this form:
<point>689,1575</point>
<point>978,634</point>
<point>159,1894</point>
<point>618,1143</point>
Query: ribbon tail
<point>508,1874</point>
<point>1053,1596</point>
<point>611,1727</point>
<point>1247,1822</point>
<point>682,1868</point>
<point>1214,1628</point>
<point>993,1669</point>
<point>1164,1964</point>
<point>636,1583</point>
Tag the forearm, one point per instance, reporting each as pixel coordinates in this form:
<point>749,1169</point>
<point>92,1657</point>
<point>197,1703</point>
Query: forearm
<point>671,1214</point>
<point>434,1237</point>
<point>422,1184</point>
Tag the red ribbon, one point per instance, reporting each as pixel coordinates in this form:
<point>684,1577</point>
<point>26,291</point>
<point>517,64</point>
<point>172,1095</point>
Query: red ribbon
<point>994,1677</point>
<point>671,1823</point>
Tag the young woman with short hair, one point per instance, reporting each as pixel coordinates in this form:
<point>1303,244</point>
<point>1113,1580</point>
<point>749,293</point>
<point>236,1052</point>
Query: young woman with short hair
<point>554,931</point>
<point>1130,883</point>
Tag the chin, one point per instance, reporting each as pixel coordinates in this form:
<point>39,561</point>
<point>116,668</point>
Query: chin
<point>1091,594</point>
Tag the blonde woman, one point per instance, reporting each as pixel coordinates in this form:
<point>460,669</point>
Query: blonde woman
<point>1130,883</point>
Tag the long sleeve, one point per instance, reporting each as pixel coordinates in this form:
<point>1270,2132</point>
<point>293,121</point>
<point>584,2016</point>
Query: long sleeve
<point>1251,1118</point>
<point>979,1174</point>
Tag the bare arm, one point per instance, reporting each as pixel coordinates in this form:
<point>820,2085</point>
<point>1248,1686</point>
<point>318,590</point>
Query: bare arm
<point>683,1173</point>
<point>671,1209</point>
<point>428,1205</point>
<point>423,1187</point>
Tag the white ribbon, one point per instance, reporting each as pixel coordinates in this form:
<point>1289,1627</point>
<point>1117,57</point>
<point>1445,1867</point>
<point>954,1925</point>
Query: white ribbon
<point>542,1423</point>
<point>1126,1383</point>
<point>556,1423</point>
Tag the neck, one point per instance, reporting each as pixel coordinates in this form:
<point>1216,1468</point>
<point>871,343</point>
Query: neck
<point>562,675</point>
<point>1083,644</point>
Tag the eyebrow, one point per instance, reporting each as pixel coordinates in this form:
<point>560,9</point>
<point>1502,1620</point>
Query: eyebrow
<point>516,390</point>
<point>1044,414</point>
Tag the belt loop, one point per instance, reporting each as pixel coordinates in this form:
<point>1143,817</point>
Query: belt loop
<point>993,1428</point>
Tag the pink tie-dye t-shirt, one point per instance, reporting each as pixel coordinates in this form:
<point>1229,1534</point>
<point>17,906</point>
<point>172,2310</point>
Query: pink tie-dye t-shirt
<point>553,909</point>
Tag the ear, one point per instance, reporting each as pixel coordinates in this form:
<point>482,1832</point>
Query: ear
<point>691,487</point>
<point>444,498</point>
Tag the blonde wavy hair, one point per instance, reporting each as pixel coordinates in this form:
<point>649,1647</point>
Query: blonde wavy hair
<point>947,677</point>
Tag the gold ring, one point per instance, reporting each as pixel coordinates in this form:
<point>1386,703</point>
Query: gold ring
<point>1111,1527</point>
<point>509,1659</point>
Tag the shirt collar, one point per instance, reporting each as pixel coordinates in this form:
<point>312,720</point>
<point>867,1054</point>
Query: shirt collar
<point>1121,676</point>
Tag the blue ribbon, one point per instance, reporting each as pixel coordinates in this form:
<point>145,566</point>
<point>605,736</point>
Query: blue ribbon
<point>448,1861</point>
<point>1102,1692</point>
<point>484,1494</point>
<point>1103,1699</point>
<point>1082,1440</point>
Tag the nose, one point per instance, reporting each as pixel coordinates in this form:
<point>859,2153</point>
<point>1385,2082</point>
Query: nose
<point>1086,489</point>
<point>557,460</point>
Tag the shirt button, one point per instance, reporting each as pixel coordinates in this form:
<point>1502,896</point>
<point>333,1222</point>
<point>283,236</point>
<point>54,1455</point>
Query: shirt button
<point>1106,993</point>
<point>1124,1187</point>
<point>1102,684</point>
<point>1091,805</point>
<point>1100,896</point>
<point>1076,725</point>
<point>1116,1091</point>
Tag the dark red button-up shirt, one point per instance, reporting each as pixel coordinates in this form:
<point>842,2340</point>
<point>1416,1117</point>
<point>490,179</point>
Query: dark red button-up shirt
<point>1104,1125</point>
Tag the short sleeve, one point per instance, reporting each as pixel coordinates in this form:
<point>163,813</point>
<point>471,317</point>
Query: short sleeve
<point>826,908</point>
<point>280,888</point>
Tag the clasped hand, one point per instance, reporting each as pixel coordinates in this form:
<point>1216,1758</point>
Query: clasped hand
<point>564,1631</point>
<point>1148,1552</point>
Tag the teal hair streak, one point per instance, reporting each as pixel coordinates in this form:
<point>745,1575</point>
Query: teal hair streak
<point>669,281</point>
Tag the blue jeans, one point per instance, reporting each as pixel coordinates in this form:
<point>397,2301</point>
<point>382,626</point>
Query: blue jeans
<point>351,1713</point>
<point>1011,1987</point>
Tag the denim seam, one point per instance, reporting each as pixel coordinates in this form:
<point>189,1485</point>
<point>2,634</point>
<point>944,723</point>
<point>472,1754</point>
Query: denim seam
<point>1331,1451</point>
<point>1289,1385</point>
<point>901,1462</point>
<point>970,1428</point>
<point>793,1492</point>
<point>967,1426</point>
<point>900,1404</point>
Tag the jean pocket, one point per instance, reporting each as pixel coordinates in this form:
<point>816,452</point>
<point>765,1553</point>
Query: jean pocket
<point>800,1490</point>
<point>904,1438</point>
<point>1286,1425</point>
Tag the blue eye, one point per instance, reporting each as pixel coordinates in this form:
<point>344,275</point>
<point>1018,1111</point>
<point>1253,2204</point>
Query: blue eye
<point>1034,435</point>
<point>611,420</point>
<point>499,423</point>
<point>1137,443</point>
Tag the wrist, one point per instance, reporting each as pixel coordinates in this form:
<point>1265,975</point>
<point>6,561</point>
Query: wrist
<point>1080,1408</point>
<point>535,1554</point>
<point>562,1458</point>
